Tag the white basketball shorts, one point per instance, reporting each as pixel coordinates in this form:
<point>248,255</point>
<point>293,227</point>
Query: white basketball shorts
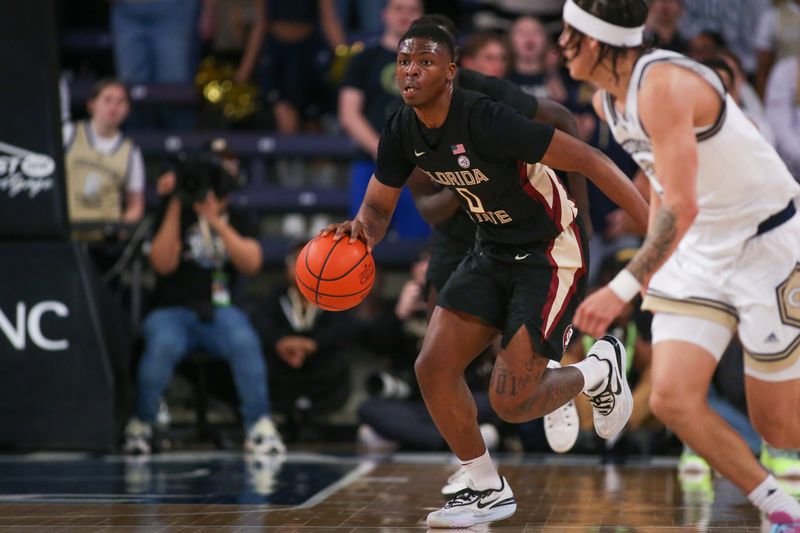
<point>757,295</point>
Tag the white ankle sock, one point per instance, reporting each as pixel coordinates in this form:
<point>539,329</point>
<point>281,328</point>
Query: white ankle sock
<point>594,373</point>
<point>482,472</point>
<point>769,497</point>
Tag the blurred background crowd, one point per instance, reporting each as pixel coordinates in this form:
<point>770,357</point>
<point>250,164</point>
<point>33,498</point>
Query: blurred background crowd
<point>276,106</point>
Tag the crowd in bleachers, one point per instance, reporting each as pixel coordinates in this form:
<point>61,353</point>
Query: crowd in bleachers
<point>294,94</point>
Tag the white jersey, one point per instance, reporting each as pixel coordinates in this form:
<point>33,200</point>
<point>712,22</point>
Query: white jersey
<point>741,180</point>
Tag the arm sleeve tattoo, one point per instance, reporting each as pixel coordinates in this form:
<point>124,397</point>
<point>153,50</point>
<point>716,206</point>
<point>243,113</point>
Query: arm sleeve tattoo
<point>657,245</point>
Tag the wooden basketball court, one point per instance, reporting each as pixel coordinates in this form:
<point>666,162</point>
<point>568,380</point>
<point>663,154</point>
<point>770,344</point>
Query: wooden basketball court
<point>326,493</point>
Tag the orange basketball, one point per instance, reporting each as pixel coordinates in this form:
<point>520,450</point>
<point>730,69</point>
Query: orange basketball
<point>335,275</point>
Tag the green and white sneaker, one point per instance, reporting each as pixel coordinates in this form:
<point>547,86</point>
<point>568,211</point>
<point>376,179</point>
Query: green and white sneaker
<point>694,475</point>
<point>691,463</point>
<point>782,463</point>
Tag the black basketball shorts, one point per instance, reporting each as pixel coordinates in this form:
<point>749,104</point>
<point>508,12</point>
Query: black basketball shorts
<point>446,254</point>
<point>509,286</point>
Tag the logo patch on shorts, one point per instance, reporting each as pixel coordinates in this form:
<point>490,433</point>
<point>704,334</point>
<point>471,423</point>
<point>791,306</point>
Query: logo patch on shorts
<point>789,298</point>
<point>567,337</point>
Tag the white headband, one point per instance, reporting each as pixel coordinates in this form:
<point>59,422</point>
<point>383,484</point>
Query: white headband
<point>599,29</point>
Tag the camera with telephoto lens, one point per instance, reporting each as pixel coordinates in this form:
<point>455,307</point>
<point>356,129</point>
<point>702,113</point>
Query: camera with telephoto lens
<point>211,169</point>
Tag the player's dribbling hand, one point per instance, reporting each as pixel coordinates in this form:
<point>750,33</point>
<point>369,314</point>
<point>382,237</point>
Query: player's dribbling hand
<point>597,312</point>
<point>354,228</point>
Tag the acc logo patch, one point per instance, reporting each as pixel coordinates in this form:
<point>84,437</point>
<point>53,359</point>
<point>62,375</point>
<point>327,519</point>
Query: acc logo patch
<point>789,298</point>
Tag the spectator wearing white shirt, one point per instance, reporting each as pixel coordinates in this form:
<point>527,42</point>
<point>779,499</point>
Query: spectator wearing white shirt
<point>104,168</point>
<point>783,110</point>
<point>746,96</point>
<point>735,20</point>
<point>777,36</point>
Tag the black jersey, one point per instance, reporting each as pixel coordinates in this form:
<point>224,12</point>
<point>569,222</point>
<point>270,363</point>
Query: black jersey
<point>482,152</point>
<point>460,226</point>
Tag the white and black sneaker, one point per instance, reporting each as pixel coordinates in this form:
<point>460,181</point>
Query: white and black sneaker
<point>470,506</point>
<point>138,437</point>
<point>561,427</point>
<point>612,402</point>
<point>263,438</point>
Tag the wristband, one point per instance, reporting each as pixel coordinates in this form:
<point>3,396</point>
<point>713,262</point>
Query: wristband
<point>625,285</point>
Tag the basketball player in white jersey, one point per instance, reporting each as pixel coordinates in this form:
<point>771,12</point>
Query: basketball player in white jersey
<point>722,252</point>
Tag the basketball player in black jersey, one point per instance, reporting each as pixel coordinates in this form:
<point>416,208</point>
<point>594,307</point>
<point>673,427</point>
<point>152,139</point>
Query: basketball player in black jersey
<point>453,232</point>
<point>522,279</point>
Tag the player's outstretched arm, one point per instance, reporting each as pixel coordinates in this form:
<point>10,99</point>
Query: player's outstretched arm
<point>568,153</point>
<point>373,216</point>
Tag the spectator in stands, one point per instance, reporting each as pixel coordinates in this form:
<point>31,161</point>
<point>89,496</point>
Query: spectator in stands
<point>777,37</point>
<point>662,24</point>
<point>735,20</point>
<point>501,14</point>
<point>486,52</point>
<point>706,45</point>
<point>198,249</point>
<point>104,168</point>
<point>367,14</point>
<point>287,38</point>
<point>154,42</point>
<point>729,70</point>
<point>533,69</point>
<point>225,25</point>
<point>783,110</point>
<point>368,95</point>
<point>308,369</point>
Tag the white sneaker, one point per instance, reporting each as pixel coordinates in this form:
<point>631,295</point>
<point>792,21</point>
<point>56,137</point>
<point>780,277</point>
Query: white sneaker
<point>264,438</point>
<point>561,427</point>
<point>456,483</point>
<point>138,436</point>
<point>469,507</point>
<point>370,439</point>
<point>262,472</point>
<point>612,402</point>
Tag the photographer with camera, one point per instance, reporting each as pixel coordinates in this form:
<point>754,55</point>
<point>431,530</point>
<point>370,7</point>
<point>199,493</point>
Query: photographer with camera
<point>197,251</point>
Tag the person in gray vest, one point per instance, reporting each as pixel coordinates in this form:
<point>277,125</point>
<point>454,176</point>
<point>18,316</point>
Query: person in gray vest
<point>104,168</point>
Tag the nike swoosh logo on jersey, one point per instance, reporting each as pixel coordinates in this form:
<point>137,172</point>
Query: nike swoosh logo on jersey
<point>418,153</point>
<point>519,257</point>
